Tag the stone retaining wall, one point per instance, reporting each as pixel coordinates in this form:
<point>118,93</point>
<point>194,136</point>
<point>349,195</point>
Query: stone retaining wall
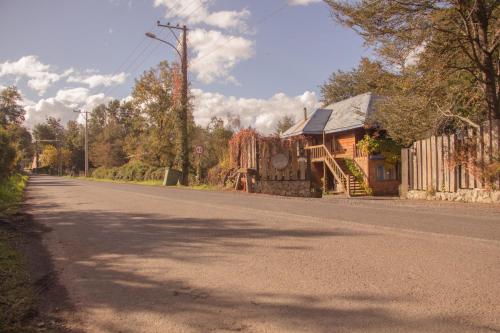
<point>462,195</point>
<point>289,188</point>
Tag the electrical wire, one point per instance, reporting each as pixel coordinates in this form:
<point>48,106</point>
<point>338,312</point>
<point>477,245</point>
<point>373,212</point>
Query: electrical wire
<point>260,21</point>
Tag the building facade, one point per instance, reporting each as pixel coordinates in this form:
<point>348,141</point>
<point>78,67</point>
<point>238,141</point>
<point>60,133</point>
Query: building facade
<point>331,136</point>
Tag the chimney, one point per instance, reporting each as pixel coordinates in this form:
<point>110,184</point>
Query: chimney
<point>305,113</point>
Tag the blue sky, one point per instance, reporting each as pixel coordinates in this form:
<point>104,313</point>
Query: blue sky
<point>256,59</point>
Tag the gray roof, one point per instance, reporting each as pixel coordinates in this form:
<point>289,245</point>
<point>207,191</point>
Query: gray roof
<point>314,124</point>
<point>337,117</point>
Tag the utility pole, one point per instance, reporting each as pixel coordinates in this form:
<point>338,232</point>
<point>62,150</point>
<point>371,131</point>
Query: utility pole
<point>86,141</point>
<point>183,112</point>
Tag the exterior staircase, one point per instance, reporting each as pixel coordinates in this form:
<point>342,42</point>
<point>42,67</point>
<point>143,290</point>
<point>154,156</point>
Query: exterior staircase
<point>345,179</point>
<point>355,186</point>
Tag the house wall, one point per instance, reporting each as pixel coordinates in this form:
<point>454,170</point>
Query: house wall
<point>345,142</point>
<point>381,187</point>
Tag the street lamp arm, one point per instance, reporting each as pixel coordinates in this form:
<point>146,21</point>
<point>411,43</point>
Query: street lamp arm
<point>164,41</point>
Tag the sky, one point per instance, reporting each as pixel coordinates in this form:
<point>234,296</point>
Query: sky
<point>256,59</point>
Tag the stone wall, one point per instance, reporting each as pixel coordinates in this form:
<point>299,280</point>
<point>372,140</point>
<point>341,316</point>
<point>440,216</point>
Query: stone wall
<point>289,188</point>
<point>462,195</point>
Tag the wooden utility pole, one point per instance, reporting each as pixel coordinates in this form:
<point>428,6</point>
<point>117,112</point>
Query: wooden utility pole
<point>183,112</point>
<point>184,152</point>
<point>86,141</point>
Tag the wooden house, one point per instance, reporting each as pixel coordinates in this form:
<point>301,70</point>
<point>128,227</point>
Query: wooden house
<point>331,135</point>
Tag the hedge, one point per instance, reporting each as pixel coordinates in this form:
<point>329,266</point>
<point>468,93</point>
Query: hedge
<point>136,171</point>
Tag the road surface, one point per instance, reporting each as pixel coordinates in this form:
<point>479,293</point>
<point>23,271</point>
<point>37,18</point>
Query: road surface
<point>152,259</point>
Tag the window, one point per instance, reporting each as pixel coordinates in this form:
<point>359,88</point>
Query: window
<point>385,172</point>
<point>336,147</point>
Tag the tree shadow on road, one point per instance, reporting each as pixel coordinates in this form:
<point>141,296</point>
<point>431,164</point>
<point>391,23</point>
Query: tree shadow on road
<point>128,264</point>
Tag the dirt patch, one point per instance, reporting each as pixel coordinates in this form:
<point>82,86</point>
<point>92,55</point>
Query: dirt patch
<point>37,302</point>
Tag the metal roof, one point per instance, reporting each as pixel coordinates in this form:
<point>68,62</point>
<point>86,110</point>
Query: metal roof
<point>314,124</point>
<point>337,117</point>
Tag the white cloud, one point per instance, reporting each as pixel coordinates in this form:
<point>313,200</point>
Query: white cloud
<point>97,80</point>
<point>40,78</point>
<point>72,96</point>
<point>62,105</point>
<point>262,114</point>
<point>216,54</point>
<point>49,107</point>
<point>302,2</point>
<point>197,11</point>
<point>94,100</point>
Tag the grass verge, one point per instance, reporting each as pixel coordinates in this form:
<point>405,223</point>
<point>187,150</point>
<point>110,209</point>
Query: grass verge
<point>11,194</point>
<point>202,187</point>
<point>106,180</point>
<point>16,293</point>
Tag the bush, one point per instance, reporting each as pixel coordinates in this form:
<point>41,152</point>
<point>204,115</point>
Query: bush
<point>134,171</point>
<point>7,155</point>
<point>218,175</point>
<point>11,193</point>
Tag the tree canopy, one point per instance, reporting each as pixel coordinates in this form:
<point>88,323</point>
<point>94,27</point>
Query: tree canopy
<point>438,62</point>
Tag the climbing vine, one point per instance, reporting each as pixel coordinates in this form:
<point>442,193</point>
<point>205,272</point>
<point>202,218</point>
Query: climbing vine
<point>358,174</point>
<point>383,146</point>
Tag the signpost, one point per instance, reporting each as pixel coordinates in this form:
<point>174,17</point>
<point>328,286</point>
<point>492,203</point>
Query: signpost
<point>199,151</point>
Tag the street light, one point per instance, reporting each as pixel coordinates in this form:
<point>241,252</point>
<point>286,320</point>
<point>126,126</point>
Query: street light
<point>153,36</point>
<point>183,115</point>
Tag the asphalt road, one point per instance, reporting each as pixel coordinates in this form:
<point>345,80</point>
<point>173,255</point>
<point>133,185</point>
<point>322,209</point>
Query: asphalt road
<point>151,259</point>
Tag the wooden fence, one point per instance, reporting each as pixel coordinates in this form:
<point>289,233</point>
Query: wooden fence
<point>447,163</point>
<point>259,156</point>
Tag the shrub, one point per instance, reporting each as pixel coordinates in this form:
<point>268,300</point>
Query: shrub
<point>11,193</point>
<point>134,171</point>
<point>7,155</point>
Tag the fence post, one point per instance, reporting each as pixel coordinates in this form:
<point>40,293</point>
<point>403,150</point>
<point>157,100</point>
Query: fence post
<point>405,166</point>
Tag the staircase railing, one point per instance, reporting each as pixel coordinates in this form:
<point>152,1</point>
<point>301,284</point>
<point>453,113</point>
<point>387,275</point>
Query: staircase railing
<point>321,153</point>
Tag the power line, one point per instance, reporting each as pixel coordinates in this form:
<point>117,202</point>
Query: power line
<point>260,21</point>
<point>137,66</point>
<point>110,89</point>
<point>131,53</point>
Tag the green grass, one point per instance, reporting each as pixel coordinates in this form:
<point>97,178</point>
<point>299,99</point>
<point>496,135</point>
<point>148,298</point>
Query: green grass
<point>106,180</point>
<point>202,187</point>
<point>16,293</point>
<point>11,194</point>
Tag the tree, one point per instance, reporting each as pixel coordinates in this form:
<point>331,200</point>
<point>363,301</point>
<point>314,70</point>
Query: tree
<point>369,76</point>
<point>152,94</point>
<point>283,124</point>
<point>15,140</point>
<point>49,157</point>
<point>11,109</point>
<point>106,145</point>
<point>75,144</point>
<point>22,141</point>
<point>7,155</point>
<point>450,45</point>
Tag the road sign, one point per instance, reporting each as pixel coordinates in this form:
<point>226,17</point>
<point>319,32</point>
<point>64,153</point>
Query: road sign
<point>199,149</point>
